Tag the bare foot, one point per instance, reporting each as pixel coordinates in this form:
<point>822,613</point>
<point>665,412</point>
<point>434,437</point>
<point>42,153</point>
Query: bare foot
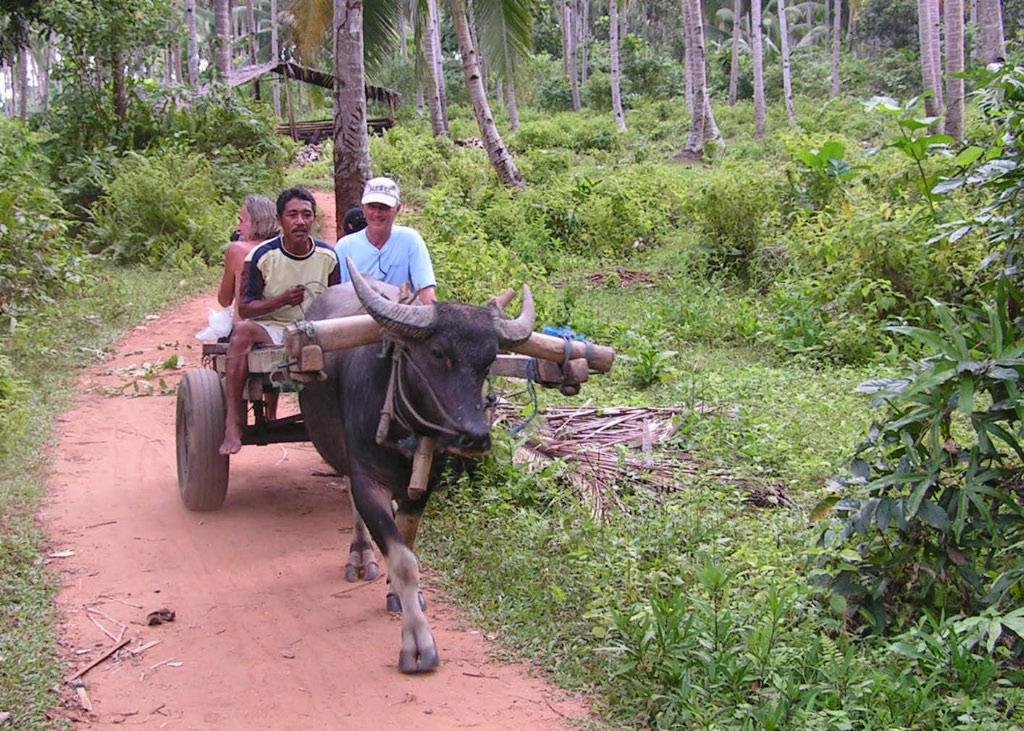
<point>232,442</point>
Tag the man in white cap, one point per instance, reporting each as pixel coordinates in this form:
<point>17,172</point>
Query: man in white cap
<point>386,252</point>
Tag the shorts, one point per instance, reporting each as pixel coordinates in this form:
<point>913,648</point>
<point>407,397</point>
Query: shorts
<point>276,333</point>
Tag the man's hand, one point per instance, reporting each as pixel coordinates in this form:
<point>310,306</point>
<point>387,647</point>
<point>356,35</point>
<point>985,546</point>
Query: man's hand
<point>293,296</point>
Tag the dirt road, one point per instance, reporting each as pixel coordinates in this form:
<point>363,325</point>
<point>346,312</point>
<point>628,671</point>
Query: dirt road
<point>267,634</point>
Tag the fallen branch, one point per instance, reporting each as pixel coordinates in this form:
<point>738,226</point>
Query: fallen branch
<point>97,661</point>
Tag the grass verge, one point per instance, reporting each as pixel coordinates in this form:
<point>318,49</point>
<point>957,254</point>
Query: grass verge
<point>43,358</point>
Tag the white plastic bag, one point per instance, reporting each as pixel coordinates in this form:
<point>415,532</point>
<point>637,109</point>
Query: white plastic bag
<point>219,324</point>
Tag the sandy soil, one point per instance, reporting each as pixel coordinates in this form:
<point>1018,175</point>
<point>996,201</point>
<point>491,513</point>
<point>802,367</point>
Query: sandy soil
<point>267,634</point>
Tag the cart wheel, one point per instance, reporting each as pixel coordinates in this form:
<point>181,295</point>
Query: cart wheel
<point>199,429</point>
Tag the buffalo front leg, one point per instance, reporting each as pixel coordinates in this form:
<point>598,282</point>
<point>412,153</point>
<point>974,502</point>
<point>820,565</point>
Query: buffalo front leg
<point>407,518</point>
<point>373,501</point>
<point>361,561</point>
<point>419,651</point>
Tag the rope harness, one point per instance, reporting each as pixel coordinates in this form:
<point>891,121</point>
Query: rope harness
<point>406,413</point>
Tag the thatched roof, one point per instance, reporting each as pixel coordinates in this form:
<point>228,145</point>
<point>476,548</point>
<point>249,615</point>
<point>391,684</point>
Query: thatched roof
<point>243,75</point>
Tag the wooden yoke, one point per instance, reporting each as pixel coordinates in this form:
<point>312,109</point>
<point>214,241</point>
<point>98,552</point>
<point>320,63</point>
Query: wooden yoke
<point>350,332</point>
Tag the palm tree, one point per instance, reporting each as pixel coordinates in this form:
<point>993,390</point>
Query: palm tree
<point>428,37</point>
<point>222,25</point>
<point>929,74</point>
<point>192,44</point>
<point>990,17</point>
<point>351,144</point>
<point>954,68</point>
<point>734,65</point>
<point>837,22</point>
<point>702,127</point>
<point>499,155</point>
<point>506,33</point>
<point>755,35</point>
<point>936,48</point>
<point>274,55</point>
<point>572,21</point>
<point>613,44</point>
<point>787,85</point>
<point>23,82</point>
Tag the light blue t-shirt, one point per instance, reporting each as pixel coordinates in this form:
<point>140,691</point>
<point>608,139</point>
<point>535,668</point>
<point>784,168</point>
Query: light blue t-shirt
<point>403,258</point>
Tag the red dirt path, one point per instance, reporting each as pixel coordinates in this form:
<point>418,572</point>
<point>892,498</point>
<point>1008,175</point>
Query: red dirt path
<point>268,635</point>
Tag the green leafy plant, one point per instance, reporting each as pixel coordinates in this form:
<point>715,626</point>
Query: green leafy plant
<point>823,174</point>
<point>916,146</point>
<point>934,493</point>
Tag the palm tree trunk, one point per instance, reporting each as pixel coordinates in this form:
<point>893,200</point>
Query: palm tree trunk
<point>694,146</point>
<point>954,66</point>
<point>975,46</point>
<point>755,37</point>
<point>563,21</point>
<point>254,47</point>
<point>192,45</point>
<point>275,56</point>
<point>928,72</point>
<point>513,108</point>
<point>584,34</point>
<point>837,22</point>
<point>687,62</point>
<point>572,21</point>
<point>438,123</point>
<point>936,48</point>
<point>500,158</point>
<point>403,18</point>
<point>119,90</point>
<point>787,85</point>
<point>485,73</point>
<point>23,83</point>
<point>613,46</point>
<point>990,16</point>
<point>48,51</point>
<point>222,30</point>
<point>435,21</point>
<point>734,66</point>
<point>351,141</point>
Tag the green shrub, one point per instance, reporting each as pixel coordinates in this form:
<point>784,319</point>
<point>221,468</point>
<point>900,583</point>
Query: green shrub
<point>36,259</point>
<point>929,519</point>
<point>731,208</point>
<point>162,208</point>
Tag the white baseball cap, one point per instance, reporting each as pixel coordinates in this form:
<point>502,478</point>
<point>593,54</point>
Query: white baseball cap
<point>381,190</point>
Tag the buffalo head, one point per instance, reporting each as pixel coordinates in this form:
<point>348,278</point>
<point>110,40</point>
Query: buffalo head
<point>446,351</point>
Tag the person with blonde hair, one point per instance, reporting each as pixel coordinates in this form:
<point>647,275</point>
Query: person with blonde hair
<point>257,222</point>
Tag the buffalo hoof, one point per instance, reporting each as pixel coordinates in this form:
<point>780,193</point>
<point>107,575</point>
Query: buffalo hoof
<point>421,662</point>
<point>395,604</point>
<point>369,572</point>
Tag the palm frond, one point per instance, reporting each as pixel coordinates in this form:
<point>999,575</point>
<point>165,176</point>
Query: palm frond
<point>504,31</point>
<point>380,31</point>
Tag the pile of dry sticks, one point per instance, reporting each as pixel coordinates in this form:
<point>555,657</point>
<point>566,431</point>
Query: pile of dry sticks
<point>621,447</point>
<point>608,448</point>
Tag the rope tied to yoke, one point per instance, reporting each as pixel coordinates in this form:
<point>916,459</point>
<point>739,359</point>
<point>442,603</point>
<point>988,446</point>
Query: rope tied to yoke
<point>397,392</point>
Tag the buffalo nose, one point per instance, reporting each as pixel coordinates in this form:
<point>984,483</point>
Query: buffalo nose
<point>475,441</point>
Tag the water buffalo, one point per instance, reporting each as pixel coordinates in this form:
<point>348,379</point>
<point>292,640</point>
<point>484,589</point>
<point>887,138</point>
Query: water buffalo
<point>436,362</point>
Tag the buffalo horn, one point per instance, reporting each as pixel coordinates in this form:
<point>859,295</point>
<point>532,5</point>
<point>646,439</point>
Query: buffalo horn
<point>403,320</point>
<point>514,332</point>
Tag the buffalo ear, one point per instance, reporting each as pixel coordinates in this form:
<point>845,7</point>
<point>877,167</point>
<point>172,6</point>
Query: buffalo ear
<point>502,300</point>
